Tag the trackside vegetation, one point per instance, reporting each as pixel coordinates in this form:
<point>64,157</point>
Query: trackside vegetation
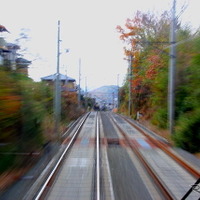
<point>145,38</point>
<point>27,117</point>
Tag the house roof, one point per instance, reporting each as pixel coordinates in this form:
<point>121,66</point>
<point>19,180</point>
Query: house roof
<point>3,29</point>
<point>2,49</point>
<point>62,78</point>
<point>22,61</point>
<point>12,46</point>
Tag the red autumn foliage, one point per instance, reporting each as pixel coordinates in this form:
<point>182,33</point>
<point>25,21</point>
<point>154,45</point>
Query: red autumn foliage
<point>155,62</point>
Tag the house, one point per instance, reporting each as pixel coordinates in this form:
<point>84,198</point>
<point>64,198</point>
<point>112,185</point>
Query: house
<point>22,65</point>
<point>67,83</point>
<point>3,50</point>
<point>10,58</point>
<point>12,52</point>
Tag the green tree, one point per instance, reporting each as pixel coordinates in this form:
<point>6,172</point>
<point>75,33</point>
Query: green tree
<point>146,37</point>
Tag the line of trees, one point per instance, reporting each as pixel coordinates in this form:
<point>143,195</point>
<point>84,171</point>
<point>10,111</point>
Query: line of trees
<point>24,107</point>
<point>27,116</point>
<point>146,39</point>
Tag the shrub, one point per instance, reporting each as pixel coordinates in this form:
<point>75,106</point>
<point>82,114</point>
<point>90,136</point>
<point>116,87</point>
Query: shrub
<point>160,118</point>
<point>187,132</point>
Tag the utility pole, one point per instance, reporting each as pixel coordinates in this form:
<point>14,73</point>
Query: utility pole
<point>130,84</point>
<point>57,100</point>
<point>66,81</point>
<point>113,97</point>
<point>79,87</point>
<point>86,101</point>
<point>118,100</point>
<point>172,70</point>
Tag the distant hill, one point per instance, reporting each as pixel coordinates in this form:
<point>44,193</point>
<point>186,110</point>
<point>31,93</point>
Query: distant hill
<point>105,94</point>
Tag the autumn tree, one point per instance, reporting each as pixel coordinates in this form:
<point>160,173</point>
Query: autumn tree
<point>146,40</point>
<point>145,36</point>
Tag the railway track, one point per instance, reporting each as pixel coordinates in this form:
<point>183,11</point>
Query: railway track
<point>166,194</point>
<point>108,157</point>
<point>161,145</point>
<point>167,149</point>
<point>98,192</point>
<point>47,189</point>
<point>43,191</point>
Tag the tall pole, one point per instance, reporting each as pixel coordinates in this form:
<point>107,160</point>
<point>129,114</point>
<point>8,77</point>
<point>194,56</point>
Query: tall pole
<point>86,101</point>
<point>57,102</point>
<point>118,100</point>
<point>79,87</point>
<point>66,81</point>
<point>130,79</point>
<point>172,69</point>
<point>113,94</point>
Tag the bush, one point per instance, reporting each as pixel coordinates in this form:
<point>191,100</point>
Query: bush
<point>160,118</point>
<point>23,106</point>
<point>187,132</point>
<point>6,161</point>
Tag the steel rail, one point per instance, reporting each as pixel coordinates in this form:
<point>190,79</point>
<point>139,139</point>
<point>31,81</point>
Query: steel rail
<point>97,160</point>
<point>167,194</point>
<point>60,159</point>
<point>195,173</point>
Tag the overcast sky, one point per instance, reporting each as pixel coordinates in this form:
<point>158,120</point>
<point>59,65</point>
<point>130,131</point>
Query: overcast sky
<point>88,29</point>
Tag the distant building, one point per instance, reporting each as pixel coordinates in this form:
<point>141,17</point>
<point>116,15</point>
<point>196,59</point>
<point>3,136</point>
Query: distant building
<point>22,65</point>
<point>12,52</point>
<point>67,83</point>
<point>3,50</point>
<point>10,58</point>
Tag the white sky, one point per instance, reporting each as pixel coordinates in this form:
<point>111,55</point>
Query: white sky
<point>88,29</point>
